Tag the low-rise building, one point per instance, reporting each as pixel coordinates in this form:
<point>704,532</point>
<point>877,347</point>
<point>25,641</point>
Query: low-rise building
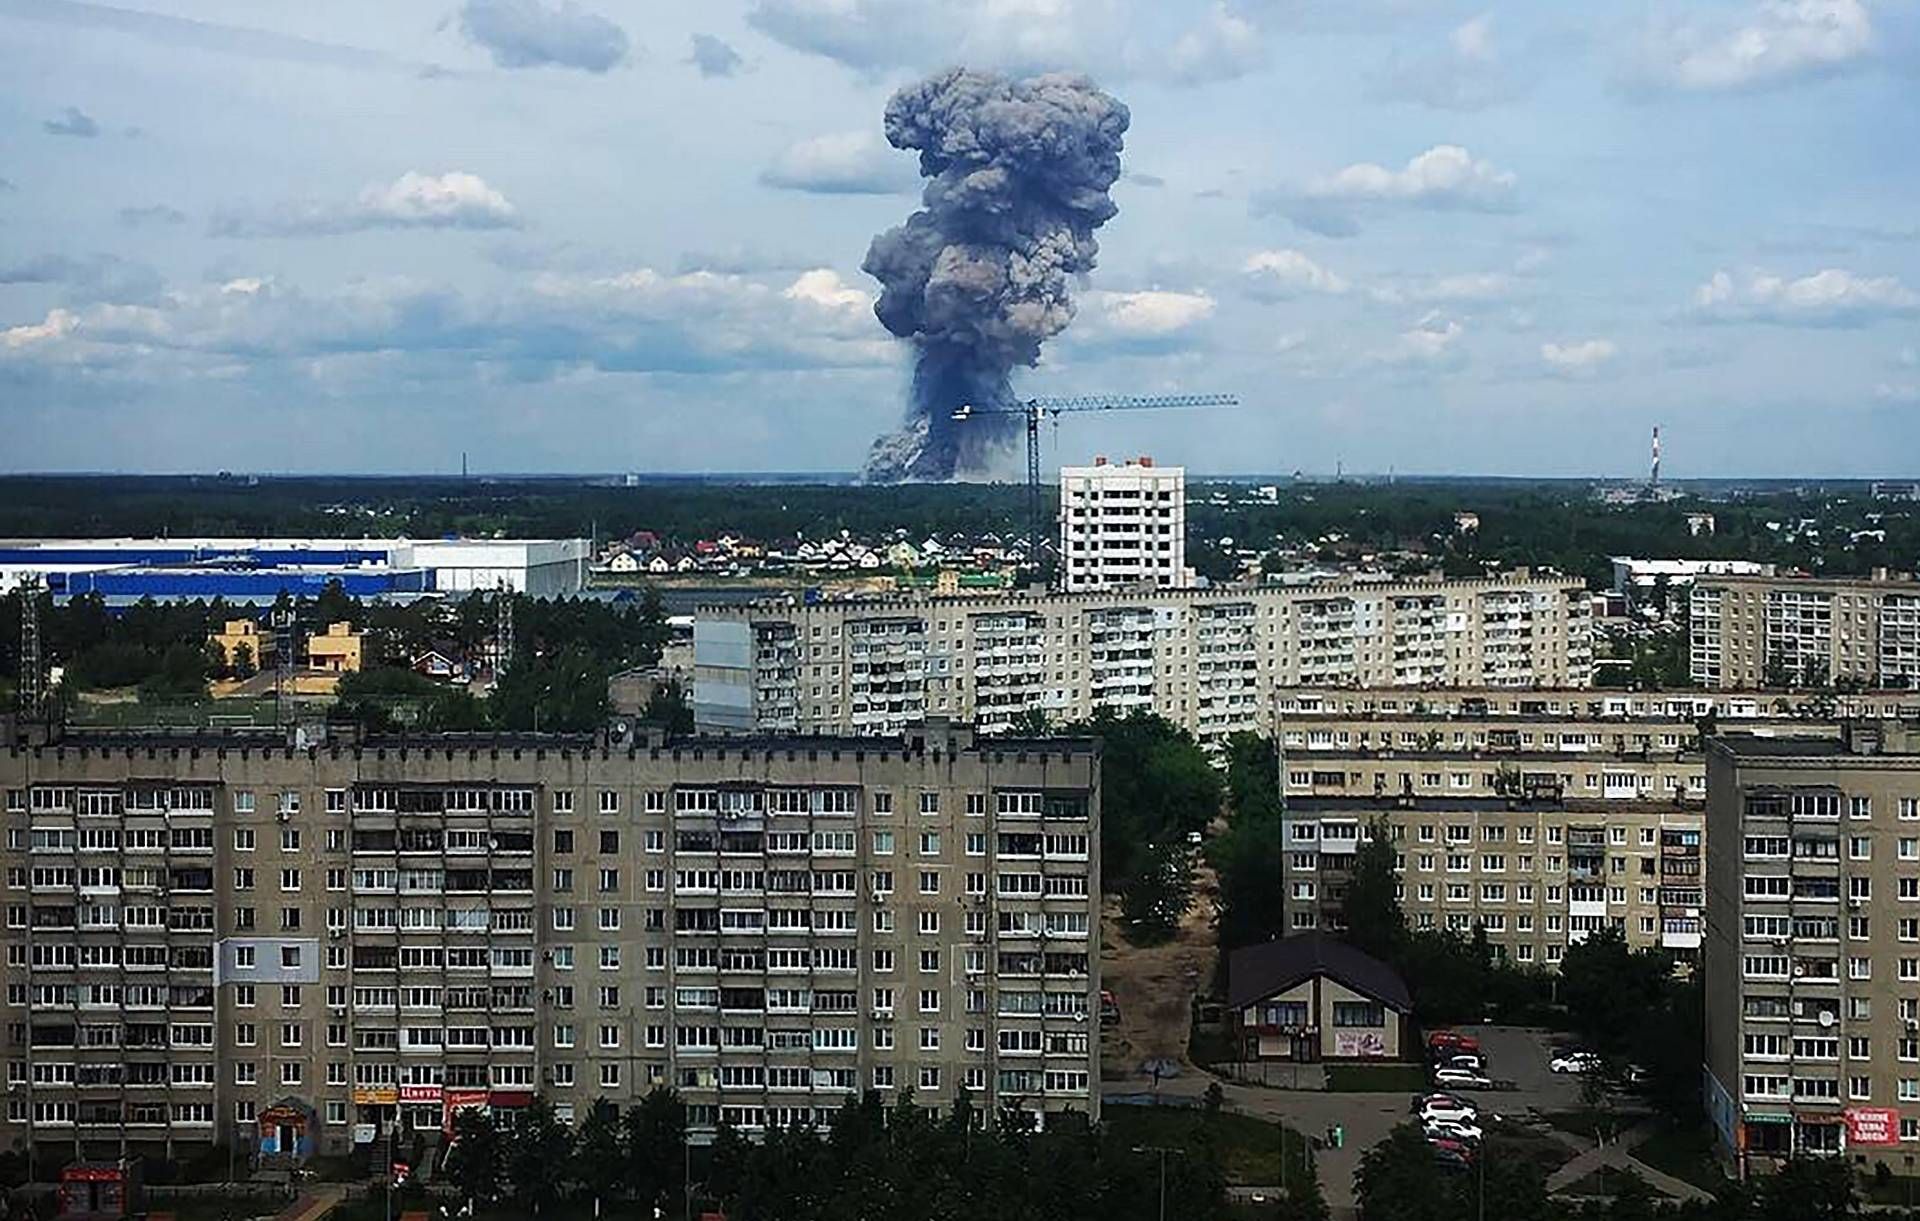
<point>1311,997</point>
<point>242,639</point>
<point>338,650</point>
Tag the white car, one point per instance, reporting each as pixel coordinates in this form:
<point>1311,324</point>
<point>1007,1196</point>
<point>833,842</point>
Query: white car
<point>1574,1062</point>
<point>1442,1112</point>
<point>1461,1079</point>
<point>1453,1129</point>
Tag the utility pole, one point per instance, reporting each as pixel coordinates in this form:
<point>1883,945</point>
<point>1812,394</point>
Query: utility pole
<point>1162,1150</point>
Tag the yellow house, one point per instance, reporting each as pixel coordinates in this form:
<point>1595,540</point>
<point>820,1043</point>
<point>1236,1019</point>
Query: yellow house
<point>244,633</point>
<point>336,650</point>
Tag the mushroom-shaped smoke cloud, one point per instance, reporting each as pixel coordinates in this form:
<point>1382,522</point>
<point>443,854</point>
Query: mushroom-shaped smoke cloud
<point>981,276</point>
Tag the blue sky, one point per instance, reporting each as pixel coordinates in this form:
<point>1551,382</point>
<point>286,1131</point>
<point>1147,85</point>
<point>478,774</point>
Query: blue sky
<point>605,235</point>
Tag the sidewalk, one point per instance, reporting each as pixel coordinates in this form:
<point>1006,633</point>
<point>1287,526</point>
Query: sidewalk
<point>315,1204</point>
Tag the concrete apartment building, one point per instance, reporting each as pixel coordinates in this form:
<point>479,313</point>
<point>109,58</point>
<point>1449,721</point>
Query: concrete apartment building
<point>1750,631</point>
<point>1209,660</point>
<point>1123,526</point>
<point>211,936</point>
<point>1537,871</point>
<point>1813,944</point>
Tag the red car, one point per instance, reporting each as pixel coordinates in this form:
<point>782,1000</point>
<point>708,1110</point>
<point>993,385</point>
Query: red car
<point>1451,1042</point>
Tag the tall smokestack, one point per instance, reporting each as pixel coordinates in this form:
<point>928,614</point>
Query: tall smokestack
<point>1653,477</point>
<point>980,276</point>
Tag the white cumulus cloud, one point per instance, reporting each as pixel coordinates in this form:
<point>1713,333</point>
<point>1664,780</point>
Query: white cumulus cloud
<point>842,163</point>
<point>453,200</point>
<point>1287,273</point>
<point>1830,297</point>
<point>1444,178</point>
<point>1578,356</point>
<point>58,324</point>
<point>1152,313</point>
<point>1775,42</point>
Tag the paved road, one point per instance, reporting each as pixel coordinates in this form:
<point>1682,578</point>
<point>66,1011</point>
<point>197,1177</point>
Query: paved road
<point>1513,1054</point>
<point>1619,1154</point>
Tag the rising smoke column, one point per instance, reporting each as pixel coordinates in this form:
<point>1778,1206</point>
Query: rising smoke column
<point>981,276</point>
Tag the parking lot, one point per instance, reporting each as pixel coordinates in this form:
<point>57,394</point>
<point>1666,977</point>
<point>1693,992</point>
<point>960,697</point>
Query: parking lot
<point>1514,1055</point>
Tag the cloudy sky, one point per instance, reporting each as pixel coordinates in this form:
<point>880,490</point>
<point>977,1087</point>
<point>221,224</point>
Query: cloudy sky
<point>602,235</point>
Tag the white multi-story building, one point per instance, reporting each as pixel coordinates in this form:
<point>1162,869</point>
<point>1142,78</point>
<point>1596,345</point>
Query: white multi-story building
<point>1210,660</point>
<point>1122,526</point>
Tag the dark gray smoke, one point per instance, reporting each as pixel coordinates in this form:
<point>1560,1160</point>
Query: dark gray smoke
<point>981,276</point>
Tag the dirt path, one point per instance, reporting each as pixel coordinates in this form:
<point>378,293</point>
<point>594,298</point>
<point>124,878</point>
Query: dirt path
<point>1155,984</point>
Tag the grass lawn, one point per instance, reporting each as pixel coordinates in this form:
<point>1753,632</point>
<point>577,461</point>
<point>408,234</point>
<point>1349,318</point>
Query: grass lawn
<point>1376,1078</point>
<point>1687,1153</point>
<point>1249,1148</point>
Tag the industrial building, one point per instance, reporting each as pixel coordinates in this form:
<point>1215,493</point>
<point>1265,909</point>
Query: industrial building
<point>1209,660</point>
<point>213,936</point>
<point>1749,631</point>
<point>1122,526</point>
<point>1812,962</point>
<point>125,570</point>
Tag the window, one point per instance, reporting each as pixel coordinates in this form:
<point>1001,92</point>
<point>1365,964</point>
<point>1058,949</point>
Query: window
<point>1358,1013</point>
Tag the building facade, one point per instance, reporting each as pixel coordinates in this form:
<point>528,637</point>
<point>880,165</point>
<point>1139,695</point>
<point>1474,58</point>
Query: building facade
<point>1210,660</point>
<point>1536,871</point>
<point>1812,964</point>
<point>217,937</point>
<point>1750,631</point>
<point>1123,526</point>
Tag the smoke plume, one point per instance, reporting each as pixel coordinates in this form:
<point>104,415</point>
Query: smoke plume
<point>980,276</point>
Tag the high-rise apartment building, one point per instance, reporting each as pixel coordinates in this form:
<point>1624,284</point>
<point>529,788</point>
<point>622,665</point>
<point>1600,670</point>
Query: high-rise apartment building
<point>215,936</point>
<point>1774,631</point>
<point>1812,960</point>
<point>1210,660</point>
<point>1535,870</point>
<point>1122,526</point>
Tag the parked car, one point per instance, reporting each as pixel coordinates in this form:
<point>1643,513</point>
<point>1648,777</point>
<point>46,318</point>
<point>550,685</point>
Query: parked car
<point>1452,1110</point>
<point>1464,1130</point>
<point>1442,1098</point>
<point>1574,1062</point>
<point>1461,1079</point>
<point>1452,1154</point>
<point>1452,1040</point>
<point>1465,1059</point>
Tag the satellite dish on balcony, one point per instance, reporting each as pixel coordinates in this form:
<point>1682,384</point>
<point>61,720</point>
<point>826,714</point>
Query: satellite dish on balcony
<point>1826,1019</point>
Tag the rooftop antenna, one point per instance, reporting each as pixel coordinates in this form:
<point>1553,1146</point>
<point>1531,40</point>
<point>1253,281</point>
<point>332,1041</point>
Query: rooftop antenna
<point>33,670</point>
<point>1653,475</point>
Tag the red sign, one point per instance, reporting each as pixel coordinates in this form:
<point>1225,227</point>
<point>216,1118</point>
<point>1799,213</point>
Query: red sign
<point>419,1093</point>
<point>510,1098</point>
<point>1873,1126</point>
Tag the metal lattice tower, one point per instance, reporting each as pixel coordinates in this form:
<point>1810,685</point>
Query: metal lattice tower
<point>503,629</point>
<point>33,667</point>
<point>282,665</point>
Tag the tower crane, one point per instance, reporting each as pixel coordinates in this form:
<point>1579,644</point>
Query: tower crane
<point>1053,407</point>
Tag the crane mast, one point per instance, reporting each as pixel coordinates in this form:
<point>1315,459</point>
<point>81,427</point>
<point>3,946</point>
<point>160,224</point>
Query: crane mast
<point>1053,407</point>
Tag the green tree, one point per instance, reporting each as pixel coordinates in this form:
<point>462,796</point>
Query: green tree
<point>1252,775</point>
<point>600,1153</point>
<point>1247,860</point>
<point>669,705</point>
<point>539,1157</point>
<point>565,693</point>
<point>1156,785</point>
<point>476,1160</point>
<point>1159,893</point>
<point>1808,1189</point>
<point>1375,922</point>
<point>243,666</point>
<point>656,1139</point>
